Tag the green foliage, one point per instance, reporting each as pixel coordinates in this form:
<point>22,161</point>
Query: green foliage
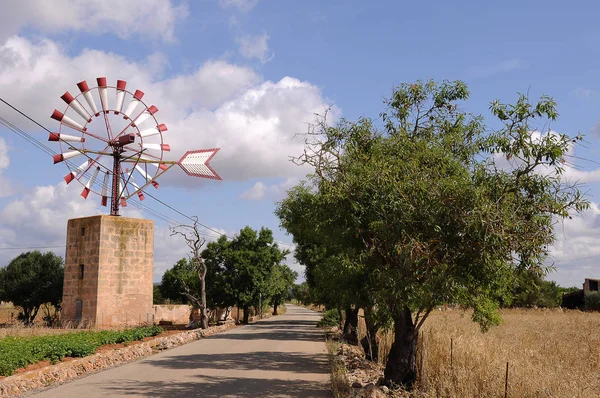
<point>423,213</point>
<point>173,280</point>
<point>592,301</point>
<point>280,283</point>
<point>31,280</point>
<point>18,352</point>
<point>301,293</point>
<point>530,289</point>
<point>157,297</point>
<point>566,290</point>
<point>241,268</point>
<point>330,318</point>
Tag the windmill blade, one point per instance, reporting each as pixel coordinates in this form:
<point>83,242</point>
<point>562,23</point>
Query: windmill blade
<point>86,189</point>
<point>103,93</point>
<point>158,147</point>
<point>121,84</point>
<point>104,200</point>
<point>65,137</point>
<point>65,155</point>
<point>161,128</point>
<point>57,115</point>
<point>71,176</point>
<point>141,118</point>
<point>76,106</point>
<point>146,176</point>
<point>197,163</point>
<point>135,100</point>
<point>131,180</point>
<point>87,94</point>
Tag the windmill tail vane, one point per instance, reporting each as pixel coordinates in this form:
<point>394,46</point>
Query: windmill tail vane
<point>134,140</point>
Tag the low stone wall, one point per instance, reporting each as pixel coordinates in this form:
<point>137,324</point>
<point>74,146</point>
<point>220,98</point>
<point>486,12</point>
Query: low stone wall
<point>176,313</point>
<point>72,369</point>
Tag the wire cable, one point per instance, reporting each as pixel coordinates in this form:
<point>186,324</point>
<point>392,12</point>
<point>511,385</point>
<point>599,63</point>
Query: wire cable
<point>28,137</point>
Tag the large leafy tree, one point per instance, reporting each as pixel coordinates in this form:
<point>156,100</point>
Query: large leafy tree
<point>245,264</point>
<point>176,280</point>
<point>424,211</point>
<point>31,280</point>
<point>281,281</point>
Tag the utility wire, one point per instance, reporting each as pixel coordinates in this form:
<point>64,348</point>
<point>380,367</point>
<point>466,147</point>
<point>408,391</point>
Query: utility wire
<point>32,247</point>
<point>12,127</point>
<point>97,183</point>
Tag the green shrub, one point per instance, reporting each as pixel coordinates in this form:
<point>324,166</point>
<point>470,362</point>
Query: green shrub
<point>330,318</point>
<point>17,352</point>
<point>592,301</point>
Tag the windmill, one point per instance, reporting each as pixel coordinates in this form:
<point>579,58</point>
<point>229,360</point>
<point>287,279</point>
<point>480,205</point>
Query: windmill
<point>109,260</point>
<point>126,152</point>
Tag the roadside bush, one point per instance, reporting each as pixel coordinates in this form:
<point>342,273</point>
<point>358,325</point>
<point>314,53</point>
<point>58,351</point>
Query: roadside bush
<point>18,352</point>
<point>330,318</point>
<point>592,301</point>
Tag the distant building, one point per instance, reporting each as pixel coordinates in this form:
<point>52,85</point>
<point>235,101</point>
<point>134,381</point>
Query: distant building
<point>590,285</point>
<point>576,300</point>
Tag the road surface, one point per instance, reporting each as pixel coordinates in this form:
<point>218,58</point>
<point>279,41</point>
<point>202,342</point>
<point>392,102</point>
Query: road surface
<point>283,356</point>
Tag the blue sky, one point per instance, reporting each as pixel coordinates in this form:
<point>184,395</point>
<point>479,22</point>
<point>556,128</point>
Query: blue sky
<point>248,75</point>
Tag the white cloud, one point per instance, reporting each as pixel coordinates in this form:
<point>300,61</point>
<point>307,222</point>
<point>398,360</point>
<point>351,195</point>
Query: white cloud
<point>572,170</point>
<point>484,71</point>
<point>5,185</point>
<point>257,125</point>
<point>255,47</point>
<point>274,192</point>
<point>576,252</point>
<point>241,5</point>
<point>155,19</point>
<point>585,93</point>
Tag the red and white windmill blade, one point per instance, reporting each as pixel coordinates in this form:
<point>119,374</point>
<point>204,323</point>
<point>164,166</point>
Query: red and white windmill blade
<point>135,139</point>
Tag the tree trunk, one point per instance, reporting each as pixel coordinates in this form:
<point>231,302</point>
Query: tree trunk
<point>246,314</point>
<point>401,368</point>
<point>351,326</point>
<point>275,308</point>
<point>203,316</point>
<point>340,314</point>
<point>369,342</point>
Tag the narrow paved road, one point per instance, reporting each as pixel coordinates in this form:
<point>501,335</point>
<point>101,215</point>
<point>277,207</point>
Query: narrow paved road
<point>283,356</point>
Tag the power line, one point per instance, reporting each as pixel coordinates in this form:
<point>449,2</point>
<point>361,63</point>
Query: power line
<point>32,247</point>
<point>49,151</point>
<point>97,183</point>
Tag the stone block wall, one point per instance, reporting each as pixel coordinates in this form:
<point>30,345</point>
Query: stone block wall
<point>108,270</point>
<point>176,313</point>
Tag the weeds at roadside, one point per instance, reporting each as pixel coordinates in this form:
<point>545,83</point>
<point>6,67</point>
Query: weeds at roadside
<point>339,383</point>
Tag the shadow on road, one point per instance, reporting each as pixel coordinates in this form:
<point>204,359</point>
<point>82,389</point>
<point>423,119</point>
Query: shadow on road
<point>211,387</point>
<point>280,329</point>
<point>275,361</point>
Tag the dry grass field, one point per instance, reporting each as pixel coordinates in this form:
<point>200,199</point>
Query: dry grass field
<point>9,325</point>
<point>550,353</point>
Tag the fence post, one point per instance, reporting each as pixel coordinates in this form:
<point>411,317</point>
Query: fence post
<point>452,352</point>
<point>421,346</point>
<point>506,382</point>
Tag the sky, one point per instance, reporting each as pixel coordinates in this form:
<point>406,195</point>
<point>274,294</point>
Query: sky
<point>249,76</point>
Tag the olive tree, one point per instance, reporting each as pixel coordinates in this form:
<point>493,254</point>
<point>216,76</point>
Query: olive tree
<point>434,207</point>
<point>31,280</point>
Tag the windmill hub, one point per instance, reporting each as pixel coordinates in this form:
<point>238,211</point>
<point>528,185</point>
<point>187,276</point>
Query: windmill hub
<point>122,141</point>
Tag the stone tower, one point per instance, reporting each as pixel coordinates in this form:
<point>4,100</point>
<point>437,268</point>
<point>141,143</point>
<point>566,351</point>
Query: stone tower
<point>108,271</point>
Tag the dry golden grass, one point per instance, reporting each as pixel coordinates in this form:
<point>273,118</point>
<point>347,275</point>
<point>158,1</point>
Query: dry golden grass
<point>11,327</point>
<point>551,353</point>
